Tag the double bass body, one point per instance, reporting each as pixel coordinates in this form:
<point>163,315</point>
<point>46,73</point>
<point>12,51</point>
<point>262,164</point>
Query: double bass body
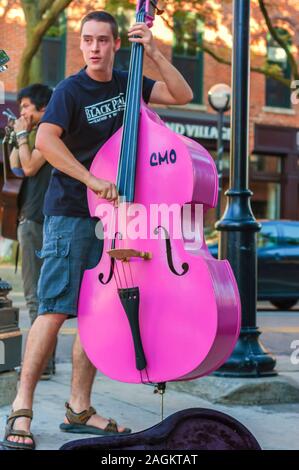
<point>188,302</point>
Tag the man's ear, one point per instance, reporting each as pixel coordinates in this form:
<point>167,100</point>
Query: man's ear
<point>117,44</point>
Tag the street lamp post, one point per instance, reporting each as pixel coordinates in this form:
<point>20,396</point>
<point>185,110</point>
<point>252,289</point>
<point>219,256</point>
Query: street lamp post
<point>238,227</point>
<point>219,98</point>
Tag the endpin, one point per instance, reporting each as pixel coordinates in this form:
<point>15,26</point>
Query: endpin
<point>160,388</point>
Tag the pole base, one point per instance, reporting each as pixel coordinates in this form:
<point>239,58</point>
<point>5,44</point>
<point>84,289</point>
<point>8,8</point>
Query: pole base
<point>249,358</point>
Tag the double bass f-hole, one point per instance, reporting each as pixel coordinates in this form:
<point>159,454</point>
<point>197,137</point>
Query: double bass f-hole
<point>185,266</point>
<point>112,262</point>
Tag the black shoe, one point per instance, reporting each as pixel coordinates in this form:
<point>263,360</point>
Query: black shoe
<point>46,375</point>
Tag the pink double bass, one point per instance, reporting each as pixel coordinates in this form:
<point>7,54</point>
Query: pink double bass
<point>156,308</point>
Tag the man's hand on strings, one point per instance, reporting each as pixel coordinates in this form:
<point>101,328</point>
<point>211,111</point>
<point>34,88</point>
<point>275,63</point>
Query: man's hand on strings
<point>144,36</point>
<point>104,189</point>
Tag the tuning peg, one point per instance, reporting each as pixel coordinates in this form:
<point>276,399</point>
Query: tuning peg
<point>3,68</point>
<point>158,11</point>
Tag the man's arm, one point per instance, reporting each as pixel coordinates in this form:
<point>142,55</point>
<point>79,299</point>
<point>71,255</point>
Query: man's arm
<point>173,89</point>
<point>14,159</point>
<point>30,162</point>
<point>49,143</point>
<point>26,161</point>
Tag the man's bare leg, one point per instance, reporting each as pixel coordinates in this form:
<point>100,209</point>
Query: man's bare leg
<point>40,345</point>
<point>82,380</point>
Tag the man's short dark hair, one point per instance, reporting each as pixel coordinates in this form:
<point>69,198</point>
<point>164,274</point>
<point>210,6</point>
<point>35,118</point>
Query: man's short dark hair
<point>104,17</point>
<point>38,94</point>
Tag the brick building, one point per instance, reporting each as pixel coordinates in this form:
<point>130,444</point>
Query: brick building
<point>274,119</point>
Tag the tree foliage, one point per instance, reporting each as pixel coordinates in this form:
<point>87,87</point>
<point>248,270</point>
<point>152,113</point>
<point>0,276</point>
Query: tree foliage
<point>41,15</point>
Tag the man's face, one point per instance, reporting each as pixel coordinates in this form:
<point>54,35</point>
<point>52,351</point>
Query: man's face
<point>29,112</point>
<point>98,46</point>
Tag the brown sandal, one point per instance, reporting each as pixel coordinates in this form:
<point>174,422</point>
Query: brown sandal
<point>10,431</point>
<point>77,423</point>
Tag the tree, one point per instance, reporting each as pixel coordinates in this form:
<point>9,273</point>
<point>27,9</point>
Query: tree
<point>213,13</point>
<point>41,15</point>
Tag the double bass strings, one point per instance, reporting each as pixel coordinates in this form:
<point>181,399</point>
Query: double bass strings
<point>131,129</point>
<point>122,167</point>
<point>128,154</point>
<point>137,87</point>
<point>134,85</point>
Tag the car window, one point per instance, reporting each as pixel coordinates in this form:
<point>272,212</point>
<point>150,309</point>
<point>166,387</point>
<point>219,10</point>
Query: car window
<point>291,234</point>
<point>267,237</point>
<point>211,236</point>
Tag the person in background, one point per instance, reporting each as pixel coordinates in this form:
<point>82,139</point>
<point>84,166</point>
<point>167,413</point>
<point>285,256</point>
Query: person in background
<point>27,161</point>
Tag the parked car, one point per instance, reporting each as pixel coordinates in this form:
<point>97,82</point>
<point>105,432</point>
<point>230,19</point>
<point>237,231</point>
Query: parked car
<point>278,262</point>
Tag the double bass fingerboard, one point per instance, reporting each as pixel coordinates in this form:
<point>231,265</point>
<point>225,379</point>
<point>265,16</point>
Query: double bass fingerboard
<point>129,146</point>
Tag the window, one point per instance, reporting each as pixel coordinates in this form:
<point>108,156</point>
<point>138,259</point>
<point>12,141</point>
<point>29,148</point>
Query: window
<point>291,234</point>
<point>225,160</point>
<point>122,56</point>
<point>53,50</point>
<point>265,164</point>
<point>266,198</point>
<point>277,94</point>
<point>186,55</point>
<point>265,182</point>
<point>267,237</point>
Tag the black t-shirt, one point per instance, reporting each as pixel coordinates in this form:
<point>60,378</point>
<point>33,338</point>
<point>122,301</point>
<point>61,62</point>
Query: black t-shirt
<point>89,112</point>
<point>31,197</point>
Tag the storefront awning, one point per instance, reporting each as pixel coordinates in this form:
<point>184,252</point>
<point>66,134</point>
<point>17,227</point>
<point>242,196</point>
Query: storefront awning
<point>196,125</point>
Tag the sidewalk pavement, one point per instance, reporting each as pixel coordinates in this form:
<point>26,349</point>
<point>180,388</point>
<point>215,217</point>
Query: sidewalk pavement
<point>274,426</point>
<point>136,406</point>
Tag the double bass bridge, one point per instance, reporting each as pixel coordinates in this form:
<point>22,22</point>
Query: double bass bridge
<point>125,254</point>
